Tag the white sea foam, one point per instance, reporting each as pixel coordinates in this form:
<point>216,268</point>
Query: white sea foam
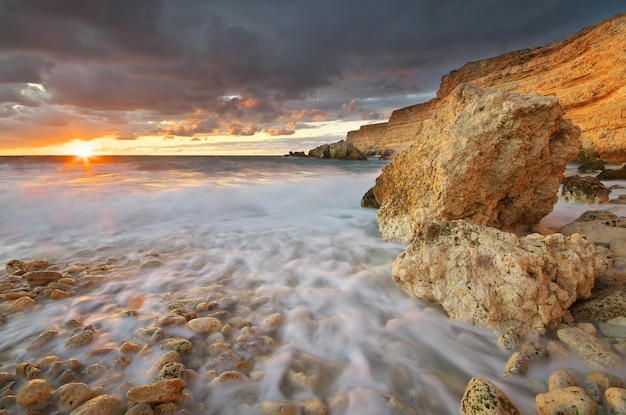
<point>287,229</point>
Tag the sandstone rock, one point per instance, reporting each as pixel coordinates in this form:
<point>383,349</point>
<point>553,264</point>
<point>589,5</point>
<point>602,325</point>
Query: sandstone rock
<point>535,351</point>
<point>72,395</point>
<point>486,157</point>
<point>166,390</point>
<point>140,409</point>
<point>489,278</point>
<point>615,401</point>
<point>602,308</point>
<point>181,345</point>
<point>596,383</point>
<point>561,379</point>
<point>566,401</point>
<point>80,339</point>
<point>584,189</point>
<point>583,71</point>
<point>103,404</point>
<point>312,406</point>
<point>612,174</point>
<point>341,150</point>
<point>40,278</point>
<point>595,353</point>
<point>278,408</point>
<point>517,364</point>
<point>172,370</point>
<point>205,325</point>
<point>34,392</point>
<point>369,200</point>
<point>481,397</point>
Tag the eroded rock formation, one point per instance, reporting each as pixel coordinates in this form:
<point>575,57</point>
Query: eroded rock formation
<point>585,71</point>
<point>487,157</point>
<point>489,278</point>
<point>341,150</point>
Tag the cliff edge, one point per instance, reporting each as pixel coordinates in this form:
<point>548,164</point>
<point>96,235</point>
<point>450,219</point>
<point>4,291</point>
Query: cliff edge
<point>586,71</point>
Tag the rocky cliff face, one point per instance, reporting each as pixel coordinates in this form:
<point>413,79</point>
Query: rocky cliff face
<point>585,71</point>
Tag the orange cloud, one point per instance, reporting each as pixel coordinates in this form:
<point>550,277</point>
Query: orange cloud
<point>236,128</point>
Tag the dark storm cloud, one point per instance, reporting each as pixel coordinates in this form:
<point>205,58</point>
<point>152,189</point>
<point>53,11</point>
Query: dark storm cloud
<point>251,65</point>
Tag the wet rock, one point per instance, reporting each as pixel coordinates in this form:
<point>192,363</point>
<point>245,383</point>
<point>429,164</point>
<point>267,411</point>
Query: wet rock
<point>596,383</point>
<point>561,379</point>
<point>166,390</point>
<point>510,339</point>
<point>141,408</point>
<point>493,279</point>
<point>100,405</point>
<point>17,305</point>
<point>517,364</point>
<point>594,352</point>
<point>571,400</point>
<point>150,335</point>
<point>369,200</point>
<point>616,327</point>
<point>278,408</point>
<point>20,267</point>
<point>27,370</point>
<point>151,264</point>
<point>535,351</point>
<point>204,325</point>
<point>483,397</point>
<point>615,401</point>
<point>584,189</point>
<point>486,156</point>
<point>80,339</point>
<point>341,150</point>
<point>604,307</point>
<point>34,392</point>
<point>312,407</point>
<point>72,395</point>
<point>172,370</point>
<point>231,377</point>
<point>181,345</point>
<point>612,174</point>
<point>170,357</point>
<point>41,278</point>
<point>591,166</point>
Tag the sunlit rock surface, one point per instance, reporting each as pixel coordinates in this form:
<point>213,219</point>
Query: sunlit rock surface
<point>489,278</point>
<point>585,71</point>
<point>487,156</point>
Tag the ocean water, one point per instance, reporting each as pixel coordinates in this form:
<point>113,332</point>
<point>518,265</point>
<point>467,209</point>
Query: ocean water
<point>280,235</point>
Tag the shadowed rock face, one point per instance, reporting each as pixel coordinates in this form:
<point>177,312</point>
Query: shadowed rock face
<point>585,71</point>
<point>487,157</point>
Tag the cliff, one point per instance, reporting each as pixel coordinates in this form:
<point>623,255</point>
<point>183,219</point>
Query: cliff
<point>586,72</point>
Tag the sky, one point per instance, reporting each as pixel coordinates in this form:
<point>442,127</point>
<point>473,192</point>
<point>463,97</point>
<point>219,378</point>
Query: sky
<point>243,76</point>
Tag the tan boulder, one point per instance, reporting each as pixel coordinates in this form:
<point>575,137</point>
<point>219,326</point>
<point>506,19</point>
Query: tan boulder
<point>489,278</point>
<point>486,156</point>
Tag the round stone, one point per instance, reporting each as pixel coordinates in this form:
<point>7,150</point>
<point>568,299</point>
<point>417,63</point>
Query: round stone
<point>204,325</point>
<point>33,392</point>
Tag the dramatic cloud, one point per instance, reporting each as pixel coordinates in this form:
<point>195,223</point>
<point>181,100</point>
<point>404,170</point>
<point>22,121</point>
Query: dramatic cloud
<point>197,68</point>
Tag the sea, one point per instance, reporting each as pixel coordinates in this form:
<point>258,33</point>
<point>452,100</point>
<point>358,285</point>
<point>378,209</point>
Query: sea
<point>287,235</point>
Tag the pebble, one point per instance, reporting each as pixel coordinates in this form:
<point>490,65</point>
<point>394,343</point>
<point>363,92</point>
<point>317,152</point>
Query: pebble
<point>595,354</point>
<point>42,339</point>
<point>517,364</point>
<point>33,392</point>
<point>278,408</point>
<point>166,390</point>
<point>80,339</point>
<point>100,405</point>
<point>534,351</point>
<point>615,401</point>
<point>570,400</point>
<point>28,370</point>
<point>170,357</point>
<point>483,397</point>
<point>172,370</point>
<point>150,335</point>
<point>141,408</point>
<point>204,325</point>
<point>598,382</point>
<point>312,406</point>
<point>181,345</point>
<point>72,395</point>
<point>42,278</point>
<point>561,379</point>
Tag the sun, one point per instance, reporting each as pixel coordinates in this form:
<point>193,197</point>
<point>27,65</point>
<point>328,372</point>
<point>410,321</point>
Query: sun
<point>83,151</point>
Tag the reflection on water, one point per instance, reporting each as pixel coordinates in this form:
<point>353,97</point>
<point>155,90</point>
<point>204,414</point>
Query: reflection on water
<point>247,237</point>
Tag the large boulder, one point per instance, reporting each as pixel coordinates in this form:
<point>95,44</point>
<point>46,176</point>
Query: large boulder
<point>486,156</point>
<point>341,150</point>
<point>490,278</point>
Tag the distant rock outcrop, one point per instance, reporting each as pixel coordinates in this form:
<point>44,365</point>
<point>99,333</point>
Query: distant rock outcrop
<point>341,150</point>
<point>585,71</point>
<point>584,189</point>
<point>487,157</point>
